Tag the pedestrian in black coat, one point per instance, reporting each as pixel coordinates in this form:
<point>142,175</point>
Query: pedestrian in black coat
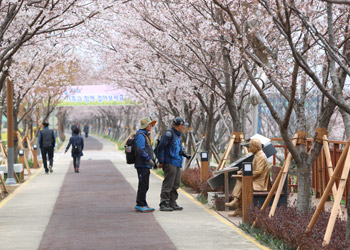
<point>47,142</point>
<point>77,143</point>
<point>86,130</point>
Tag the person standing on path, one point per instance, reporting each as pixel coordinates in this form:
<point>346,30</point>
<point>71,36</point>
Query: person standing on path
<point>74,125</point>
<point>170,156</point>
<point>47,143</point>
<point>77,143</point>
<point>143,162</point>
<point>86,130</point>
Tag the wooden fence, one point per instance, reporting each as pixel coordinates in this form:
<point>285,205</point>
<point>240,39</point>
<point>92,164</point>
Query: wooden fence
<point>320,176</point>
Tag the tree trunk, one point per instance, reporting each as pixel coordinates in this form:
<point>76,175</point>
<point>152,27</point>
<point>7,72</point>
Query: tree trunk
<point>304,175</point>
<point>2,107</point>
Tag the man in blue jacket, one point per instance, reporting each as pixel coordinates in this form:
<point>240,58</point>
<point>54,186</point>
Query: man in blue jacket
<point>144,161</point>
<point>170,156</point>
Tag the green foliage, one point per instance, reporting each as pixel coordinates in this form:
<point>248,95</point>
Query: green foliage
<point>30,163</point>
<point>202,198</point>
<point>159,171</point>
<point>342,202</point>
<point>263,238</point>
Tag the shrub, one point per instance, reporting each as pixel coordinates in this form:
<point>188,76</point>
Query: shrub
<point>191,178</point>
<point>289,226</point>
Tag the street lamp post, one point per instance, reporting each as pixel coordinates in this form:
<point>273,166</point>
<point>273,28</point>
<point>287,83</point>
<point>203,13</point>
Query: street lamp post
<point>10,135</point>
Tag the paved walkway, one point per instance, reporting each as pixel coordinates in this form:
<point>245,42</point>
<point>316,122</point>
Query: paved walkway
<point>94,210</point>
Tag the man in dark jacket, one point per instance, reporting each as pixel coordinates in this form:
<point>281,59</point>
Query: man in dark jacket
<point>74,125</point>
<point>86,130</point>
<point>77,143</point>
<point>47,142</point>
<point>170,156</point>
<point>143,162</point>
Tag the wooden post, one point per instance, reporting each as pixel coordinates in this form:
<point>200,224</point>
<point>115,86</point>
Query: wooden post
<point>330,167</point>
<point>16,177</point>
<point>215,153</point>
<point>282,180</point>
<point>204,167</point>
<point>337,200</point>
<point>35,156</point>
<point>195,154</point>
<point>3,184</point>
<point>25,158</point>
<point>247,189</point>
<point>222,162</point>
<point>3,153</point>
<point>21,160</point>
<point>21,147</point>
<point>188,137</point>
<point>329,187</point>
<point>226,189</point>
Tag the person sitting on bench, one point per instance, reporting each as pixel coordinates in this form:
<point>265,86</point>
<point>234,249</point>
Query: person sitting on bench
<point>261,177</point>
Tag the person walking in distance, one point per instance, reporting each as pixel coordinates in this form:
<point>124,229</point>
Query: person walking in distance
<point>74,125</point>
<point>77,143</point>
<point>86,130</point>
<point>170,156</point>
<point>47,143</point>
<point>144,161</point>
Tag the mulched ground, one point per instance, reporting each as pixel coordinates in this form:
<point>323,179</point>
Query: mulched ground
<point>94,210</point>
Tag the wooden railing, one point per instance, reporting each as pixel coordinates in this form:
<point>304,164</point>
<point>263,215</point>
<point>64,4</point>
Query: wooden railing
<point>320,177</point>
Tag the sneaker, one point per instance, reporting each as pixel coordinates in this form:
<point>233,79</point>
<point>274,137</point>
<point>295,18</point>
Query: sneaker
<point>176,207</point>
<point>46,172</point>
<point>150,208</point>
<point>164,206</point>
<point>143,209</point>
<point>50,169</point>
<point>77,170</point>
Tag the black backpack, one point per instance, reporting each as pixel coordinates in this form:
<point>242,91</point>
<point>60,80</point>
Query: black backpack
<point>130,149</point>
<point>76,147</point>
<point>158,141</point>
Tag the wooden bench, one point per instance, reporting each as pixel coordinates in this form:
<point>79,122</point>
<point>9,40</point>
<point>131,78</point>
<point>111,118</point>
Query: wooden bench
<point>259,197</point>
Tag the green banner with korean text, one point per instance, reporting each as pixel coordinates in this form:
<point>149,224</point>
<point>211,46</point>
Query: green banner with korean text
<point>96,95</point>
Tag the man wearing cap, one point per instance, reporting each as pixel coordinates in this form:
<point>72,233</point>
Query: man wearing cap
<point>47,142</point>
<point>170,156</point>
<point>143,162</point>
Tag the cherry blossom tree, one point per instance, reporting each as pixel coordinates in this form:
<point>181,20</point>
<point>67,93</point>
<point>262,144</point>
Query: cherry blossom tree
<point>23,20</point>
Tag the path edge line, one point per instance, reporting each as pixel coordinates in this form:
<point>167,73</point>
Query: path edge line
<point>217,216</point>
<point>8,198</point>
<point>211,212</point>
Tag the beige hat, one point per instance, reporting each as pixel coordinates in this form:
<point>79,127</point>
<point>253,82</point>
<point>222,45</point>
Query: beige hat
<point>146,121</point>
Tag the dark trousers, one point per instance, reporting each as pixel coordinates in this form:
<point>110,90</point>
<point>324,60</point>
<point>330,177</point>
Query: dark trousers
<point>143,175</point>
<point>170,185</point>
<point>76,162</point>
<point>44,152</point>
<point>86,134</point>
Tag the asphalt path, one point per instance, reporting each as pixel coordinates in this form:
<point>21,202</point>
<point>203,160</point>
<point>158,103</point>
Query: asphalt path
<point>93,209</point>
